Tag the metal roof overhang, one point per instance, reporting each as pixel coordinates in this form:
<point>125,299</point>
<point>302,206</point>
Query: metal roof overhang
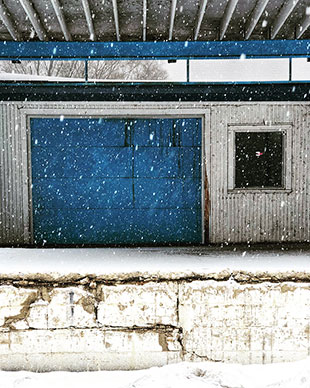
<point>155,29</point>
<point>153,20</point>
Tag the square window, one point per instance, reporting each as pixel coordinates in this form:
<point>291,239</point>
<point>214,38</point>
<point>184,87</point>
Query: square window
<point>259,160</point>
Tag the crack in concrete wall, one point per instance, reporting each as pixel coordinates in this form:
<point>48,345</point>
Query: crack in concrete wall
<point>191,320</point>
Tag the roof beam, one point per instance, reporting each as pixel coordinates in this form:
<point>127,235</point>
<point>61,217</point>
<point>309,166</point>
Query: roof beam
<point>172,16</point>
<point>8,22</point>
<point>144,19</point>
<point>303,26</point>
<point>115,12</point>
<point>34,19</point>
<point>284,13</point>
<point>89,19</point>
<point>227,17</point>
<point>11,50</point>
<point>61,19</point>
<point>255,16</point>
<point>202,9</point>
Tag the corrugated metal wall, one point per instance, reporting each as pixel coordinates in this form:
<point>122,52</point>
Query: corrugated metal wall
<point>260,216</point>
<point>14,213</point>
<point>234,217</point>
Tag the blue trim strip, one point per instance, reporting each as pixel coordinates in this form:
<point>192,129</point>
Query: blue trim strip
<point>153,50</point>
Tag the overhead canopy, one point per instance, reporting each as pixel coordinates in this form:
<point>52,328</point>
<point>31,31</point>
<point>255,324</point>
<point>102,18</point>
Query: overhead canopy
<point>153,20</point>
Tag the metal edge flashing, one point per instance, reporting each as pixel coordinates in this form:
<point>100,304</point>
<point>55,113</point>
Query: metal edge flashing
<point>284,48</point>
<point>233,92</point>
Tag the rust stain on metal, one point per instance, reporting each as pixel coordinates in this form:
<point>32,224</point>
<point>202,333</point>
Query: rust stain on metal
<point>206,208</point>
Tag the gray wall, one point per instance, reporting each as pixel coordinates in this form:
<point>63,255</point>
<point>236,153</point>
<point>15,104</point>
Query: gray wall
<point>260,216</point>
<point>14,213</point>
<point>234,217</point>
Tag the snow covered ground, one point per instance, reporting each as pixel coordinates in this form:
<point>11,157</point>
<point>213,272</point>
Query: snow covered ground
<point>183,375</point>
<point>163,262</point>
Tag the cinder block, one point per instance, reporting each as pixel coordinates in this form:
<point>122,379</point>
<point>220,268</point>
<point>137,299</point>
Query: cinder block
<point>38,314</point>
<point>138,305</point>
<point>71,307</point>
<point>14,305</point>
<point>247,322</point>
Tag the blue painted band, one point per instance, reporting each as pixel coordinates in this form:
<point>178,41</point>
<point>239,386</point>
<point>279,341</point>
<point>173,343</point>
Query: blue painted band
<point>153,50</point>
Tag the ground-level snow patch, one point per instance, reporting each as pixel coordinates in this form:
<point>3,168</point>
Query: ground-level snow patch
<point>182,375</point>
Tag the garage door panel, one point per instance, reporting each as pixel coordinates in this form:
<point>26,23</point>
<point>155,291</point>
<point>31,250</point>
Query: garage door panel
<point>149,133</point>
<point>167,225</point>
<point>167,132</point>
<point>138,226</point>
<point>83,193</point>
<point>79,132</point>
<point>75,162</point>
<point>191,132</point>
<point>116,181</point>
<point>166,193</point>
<point>165,162</point>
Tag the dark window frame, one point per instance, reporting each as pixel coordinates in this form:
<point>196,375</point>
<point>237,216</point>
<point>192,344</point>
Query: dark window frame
<point>285,130</point>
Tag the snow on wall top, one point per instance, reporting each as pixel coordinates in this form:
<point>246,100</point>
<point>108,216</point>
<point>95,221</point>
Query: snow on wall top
<point>156,264</point>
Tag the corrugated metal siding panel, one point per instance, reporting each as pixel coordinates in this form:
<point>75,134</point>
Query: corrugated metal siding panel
<point>260,217</point>
<point>14,215</point>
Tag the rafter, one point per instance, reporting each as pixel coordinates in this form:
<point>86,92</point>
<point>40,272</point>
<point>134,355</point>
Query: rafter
<point>284,13</point>
<point>144,19</point>
<point>8,22</point>
<point>61,19</point>
<point>34,19</point>
<point>172,16</point>
<point>255,16</point>
<point>89,19</point>
<point>303,26</point>
<point>202,9</point>
<point>227,17</point>
<point>115,12</point>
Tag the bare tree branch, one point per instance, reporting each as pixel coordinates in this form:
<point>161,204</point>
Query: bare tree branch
<point>98,70</point>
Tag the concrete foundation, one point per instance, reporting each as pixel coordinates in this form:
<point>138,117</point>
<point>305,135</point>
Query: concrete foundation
<point>93,322</point>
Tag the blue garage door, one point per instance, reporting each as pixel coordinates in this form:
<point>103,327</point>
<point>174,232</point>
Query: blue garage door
<point>116,181</point>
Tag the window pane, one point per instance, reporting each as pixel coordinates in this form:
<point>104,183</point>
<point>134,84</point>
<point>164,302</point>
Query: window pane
<point>259,160</point>
<point>232,70</point>
<point>98,71</point>
<point>47,71</point>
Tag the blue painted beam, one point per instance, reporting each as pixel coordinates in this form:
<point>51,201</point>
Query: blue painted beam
<point>153,50</point>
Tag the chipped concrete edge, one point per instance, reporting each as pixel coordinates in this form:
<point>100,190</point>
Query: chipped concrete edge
<point>91,280</point>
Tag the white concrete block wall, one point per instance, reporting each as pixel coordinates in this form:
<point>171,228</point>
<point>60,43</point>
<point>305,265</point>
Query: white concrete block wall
<point>134,305</point>
<point>245,323</point>
<point>132,326</point>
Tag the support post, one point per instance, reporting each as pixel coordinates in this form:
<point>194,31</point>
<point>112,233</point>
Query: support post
<point>187,70</point>
<point>86,71</point>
